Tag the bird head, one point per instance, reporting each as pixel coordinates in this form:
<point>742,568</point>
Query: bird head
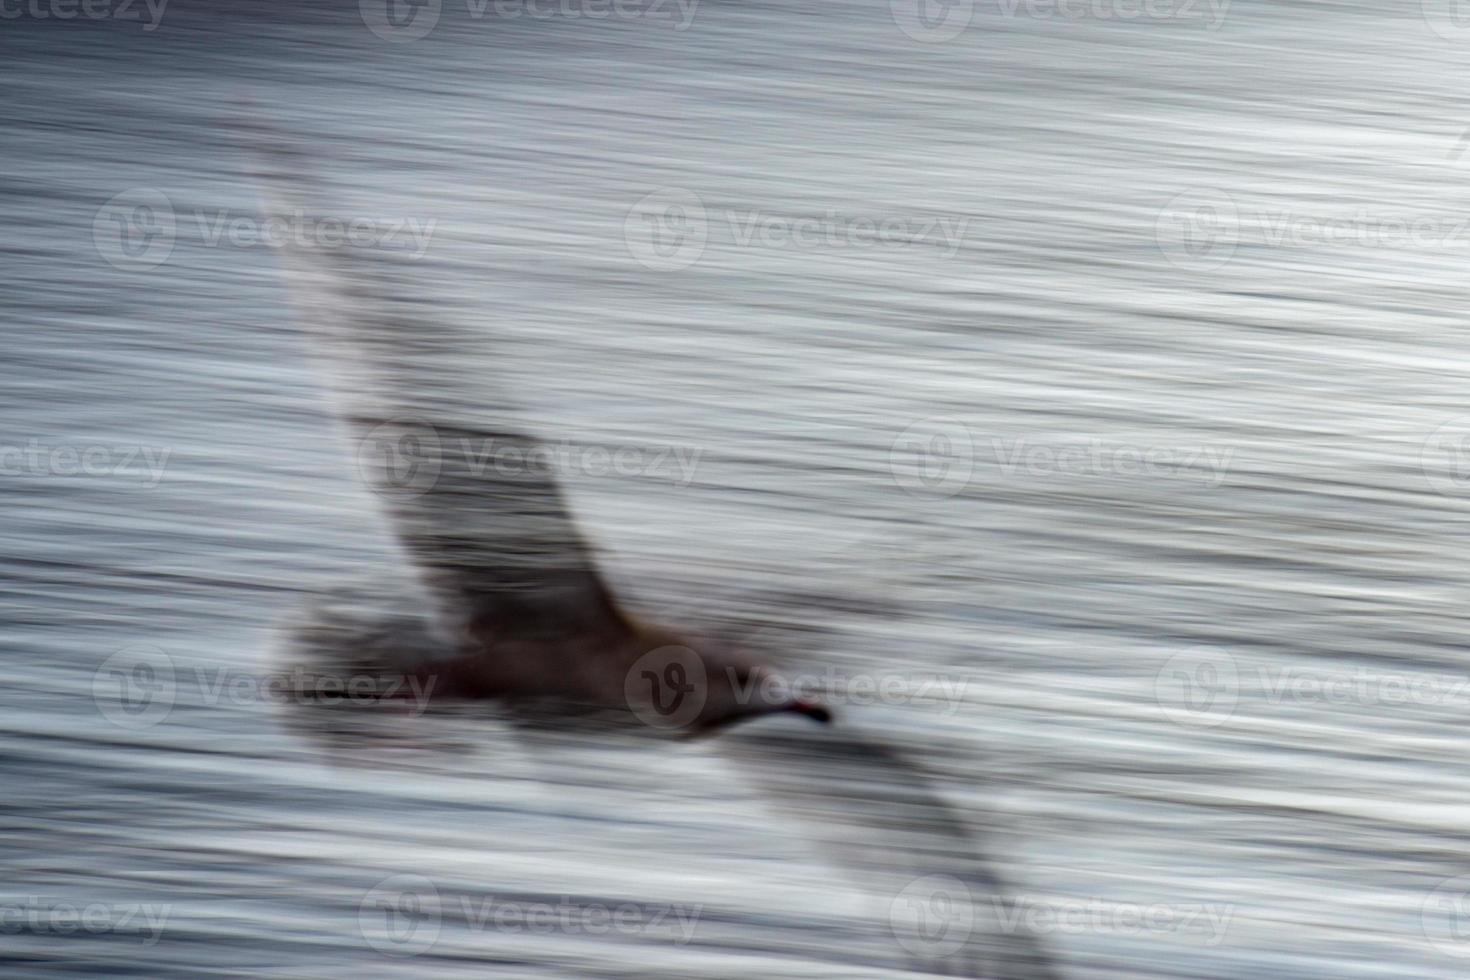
<point>700,688</point>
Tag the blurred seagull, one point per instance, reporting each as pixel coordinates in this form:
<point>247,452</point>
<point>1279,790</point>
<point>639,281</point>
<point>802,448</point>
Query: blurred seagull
<point>516,592</point>
<point>516,610</point>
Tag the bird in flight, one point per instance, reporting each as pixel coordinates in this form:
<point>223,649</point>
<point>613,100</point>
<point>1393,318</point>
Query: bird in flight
<point>516,610</point>
<point>515,587</point>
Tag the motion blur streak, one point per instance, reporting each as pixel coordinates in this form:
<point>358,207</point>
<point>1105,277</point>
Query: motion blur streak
<point>1080,389</point>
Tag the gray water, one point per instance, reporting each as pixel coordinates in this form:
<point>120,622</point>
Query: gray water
<point>1170,489</point>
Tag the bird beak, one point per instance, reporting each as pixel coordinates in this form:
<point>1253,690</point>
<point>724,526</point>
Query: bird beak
<point>813,710</point>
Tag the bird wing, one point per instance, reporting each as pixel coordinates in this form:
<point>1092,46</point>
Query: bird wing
<point>877,816</point>
<point>473,501</point>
